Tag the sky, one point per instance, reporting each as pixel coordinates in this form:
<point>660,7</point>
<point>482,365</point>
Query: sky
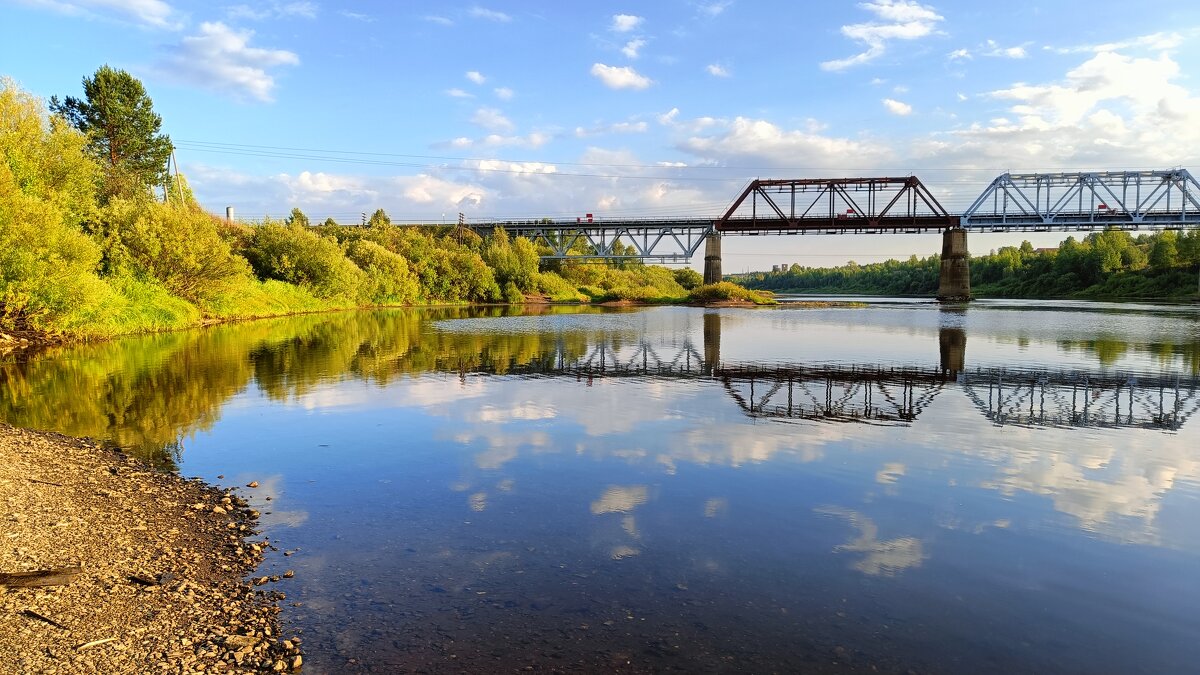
<point>508,109</point>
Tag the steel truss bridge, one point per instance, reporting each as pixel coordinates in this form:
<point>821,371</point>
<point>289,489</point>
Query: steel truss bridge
<point>892,395</point>
<point>1033,202</point>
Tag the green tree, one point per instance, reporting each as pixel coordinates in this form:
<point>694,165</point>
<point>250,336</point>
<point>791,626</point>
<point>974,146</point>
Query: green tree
<point>379,219</point>
<point>689,278</point>
<point>296,217</point>
<point>1163,252</point>
<point>329,222</point>
<point>123,131</point>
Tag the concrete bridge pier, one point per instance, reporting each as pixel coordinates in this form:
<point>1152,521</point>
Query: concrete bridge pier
<point>954,282</point>
<point>712,258</point>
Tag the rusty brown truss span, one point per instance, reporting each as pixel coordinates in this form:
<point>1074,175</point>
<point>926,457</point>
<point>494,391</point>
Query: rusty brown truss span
<point>826,225</point>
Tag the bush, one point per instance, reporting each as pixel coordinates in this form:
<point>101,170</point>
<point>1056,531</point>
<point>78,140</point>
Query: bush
<point>725,290</point>
<point>388,279</point>
<point>688,278</point>
<point>178,245</point>
<point>512,261</point>
<point>299,256</point>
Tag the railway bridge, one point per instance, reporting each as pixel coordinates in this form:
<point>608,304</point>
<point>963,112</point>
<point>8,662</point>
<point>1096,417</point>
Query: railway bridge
<point>1029,202</point>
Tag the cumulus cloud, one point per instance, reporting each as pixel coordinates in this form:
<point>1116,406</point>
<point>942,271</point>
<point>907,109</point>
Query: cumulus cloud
<point>623,23</point>
<point>620,77</point>
<point>503,93</point>
<point>895,20</point>
<point>713,9</point>
<point>897,107</point>
<point>761,142</point>
<point>478,12</point>
<point>492,120</point>
<point>221,58</point>
<point>632,47</point>
<point>440,20</point>
<point>476,77</point>
<point>455,92</point>
<point>150,13</point>
<point>995,50</point>
<point>717,70</point>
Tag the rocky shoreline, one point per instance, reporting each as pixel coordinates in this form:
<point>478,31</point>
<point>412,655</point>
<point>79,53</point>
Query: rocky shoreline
<point>156,567</point>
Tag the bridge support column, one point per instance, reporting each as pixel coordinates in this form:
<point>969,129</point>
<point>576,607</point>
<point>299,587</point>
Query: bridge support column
<point>712,258</point>
<point>954,282</point>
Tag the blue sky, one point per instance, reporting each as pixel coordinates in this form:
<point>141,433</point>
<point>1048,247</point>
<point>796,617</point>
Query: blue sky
<point>524,109</point>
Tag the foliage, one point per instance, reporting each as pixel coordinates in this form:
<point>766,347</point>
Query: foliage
<point>329,222</point>
<point>388,279</point>
<point>379,219</point>
<point>725,290</point>
<point>644,283</point>
<point>687,277</point>
<point>296,217</point>
<point>45,156</point>
<point>178,245</point>
<point>299,256</point>
<point>512,261</point>
<point>122,129</point>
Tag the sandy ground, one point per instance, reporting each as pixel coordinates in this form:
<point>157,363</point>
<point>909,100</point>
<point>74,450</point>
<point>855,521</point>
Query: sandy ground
<point>163,561</point>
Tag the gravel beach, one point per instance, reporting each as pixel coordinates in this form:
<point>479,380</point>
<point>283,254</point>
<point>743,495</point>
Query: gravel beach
<point>155,568</point>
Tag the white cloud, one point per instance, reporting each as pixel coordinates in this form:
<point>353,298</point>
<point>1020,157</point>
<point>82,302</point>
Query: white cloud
<point>458,93</point>
<point>615,77</point>
<point>897,107</point>
<point>631,48</point>
<point>961,96</point>
<point>623,23</point>
<point>714,8</point>
<point>746,140</point>
<point>440,20</point>
<point>899,20</point>
<point>717,70</point>
<point>503,93</point>
<point>273,10</point>
<point>152,13</point>
<point>489,14</point>
<point>365,18</point>
<point>1161,41</point>
<point>668,118</point>
<point>492,120</point>
<point>615,128</point>
<point>959,54</point>
<point>221,58</point>
<point>996,51</point>
<point>476,77</point>
<point>461,142</point>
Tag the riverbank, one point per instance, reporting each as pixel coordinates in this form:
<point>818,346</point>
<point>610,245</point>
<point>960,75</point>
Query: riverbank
<point>154,567</point>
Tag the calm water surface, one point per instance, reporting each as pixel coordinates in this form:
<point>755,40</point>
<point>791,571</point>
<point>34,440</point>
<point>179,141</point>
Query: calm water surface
<point>1006,487</point>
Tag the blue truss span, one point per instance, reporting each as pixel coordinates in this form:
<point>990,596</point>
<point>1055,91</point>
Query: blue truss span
<point>1127,200</point>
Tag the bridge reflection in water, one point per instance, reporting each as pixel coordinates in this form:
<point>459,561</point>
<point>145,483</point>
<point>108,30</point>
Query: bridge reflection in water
<point>890,394</point>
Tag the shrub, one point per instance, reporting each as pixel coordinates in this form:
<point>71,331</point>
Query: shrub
<point>388,279</point>
<point>178,245</point>
<point>299,256</point>
<point>725,290</point>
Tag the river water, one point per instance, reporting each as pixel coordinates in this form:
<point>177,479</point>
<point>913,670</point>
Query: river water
<point>1012,486</point>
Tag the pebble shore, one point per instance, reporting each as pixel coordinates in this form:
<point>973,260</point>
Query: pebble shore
<point>164,583</point>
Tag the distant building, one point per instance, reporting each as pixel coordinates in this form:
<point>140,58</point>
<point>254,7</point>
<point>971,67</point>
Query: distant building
<point>775,269</point>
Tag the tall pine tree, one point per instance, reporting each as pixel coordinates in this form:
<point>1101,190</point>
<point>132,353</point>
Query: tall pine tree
<point>123,131</point>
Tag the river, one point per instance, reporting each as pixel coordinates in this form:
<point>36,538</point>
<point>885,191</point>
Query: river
<point>1009,486</point>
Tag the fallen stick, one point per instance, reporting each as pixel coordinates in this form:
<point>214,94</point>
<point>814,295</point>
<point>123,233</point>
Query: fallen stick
<point>44,482</point>
<point>51,577</point>
<point>43,617</point>
<point>93,643</point>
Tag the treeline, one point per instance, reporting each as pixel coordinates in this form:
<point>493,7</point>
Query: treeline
<point>97,238</point>
<point>1111,264</point>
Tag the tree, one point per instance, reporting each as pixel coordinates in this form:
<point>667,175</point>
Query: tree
<point>688,277</point>
<point>296,217</point>
<point>123,131</point>
<point>329,222</point>
<point>379,219</point>
<point>1163,252</point>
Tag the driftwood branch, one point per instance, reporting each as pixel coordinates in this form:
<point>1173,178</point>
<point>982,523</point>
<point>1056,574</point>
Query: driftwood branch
<point>52,577</point>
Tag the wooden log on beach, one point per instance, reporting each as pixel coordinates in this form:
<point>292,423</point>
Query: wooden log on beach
<point>51,577</point>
